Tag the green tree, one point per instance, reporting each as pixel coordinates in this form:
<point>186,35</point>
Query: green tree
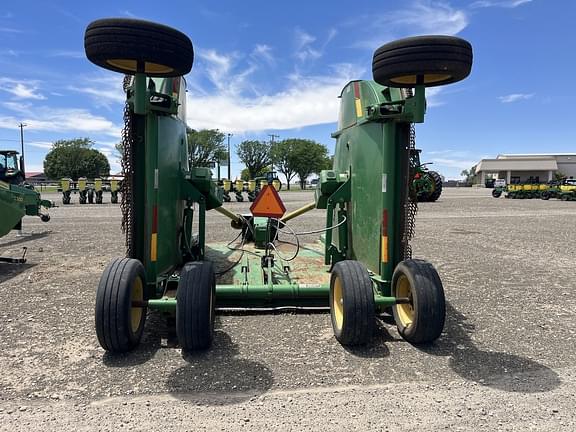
<point>283,157</point>
<point>469,175</point>
<point>75,158</point>
<point>255,155</point>
<point>205,146</point>
<point>245,174</point>
<point>309,157</point>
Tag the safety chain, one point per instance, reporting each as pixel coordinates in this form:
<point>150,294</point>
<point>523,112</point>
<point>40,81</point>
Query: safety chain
<point>127,202</point>
<point>410,199</point>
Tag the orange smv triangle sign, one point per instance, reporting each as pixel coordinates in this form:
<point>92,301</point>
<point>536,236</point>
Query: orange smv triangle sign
<point>268,203</point>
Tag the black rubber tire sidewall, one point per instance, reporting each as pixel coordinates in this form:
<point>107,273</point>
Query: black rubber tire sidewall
<point>195,295</point>
<point>496,193</point>
<point>435,177</point>
<point>113,304</point>
<point>422,55</point>
<point>138,40</point>
<point>428,301</point>
<point>358,302</point>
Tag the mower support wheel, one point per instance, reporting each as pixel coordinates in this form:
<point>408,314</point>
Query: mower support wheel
<point>422,60</point>
<point>129,46</point>
<point>422,319</point>
<point>352,307</point>
<point>119,323</point>
<point>195,306</point>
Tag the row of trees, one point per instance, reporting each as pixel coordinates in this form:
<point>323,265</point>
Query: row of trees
<point>290,157</point>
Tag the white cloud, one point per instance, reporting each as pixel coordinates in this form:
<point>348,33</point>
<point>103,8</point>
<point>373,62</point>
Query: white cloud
<point>40,144</point>
<point>304,50</point>
<point>264,52</point>
<point>304,102</point>
<point>504,4</point>
<point>67,54</point>
<point>10,30</point>
<point>105,88</point>
<point>418,18</point>
<point>21,89</point>
<point>66,120</point>
<point>515,97</point>
<point>454,163</point>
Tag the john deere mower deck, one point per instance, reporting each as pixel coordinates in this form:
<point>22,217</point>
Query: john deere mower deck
<point>365,264</point>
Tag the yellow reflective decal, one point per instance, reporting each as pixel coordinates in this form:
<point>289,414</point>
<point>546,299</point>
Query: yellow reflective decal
<point>384,249</point>
<point>358,108</point>
<point>154,247</point>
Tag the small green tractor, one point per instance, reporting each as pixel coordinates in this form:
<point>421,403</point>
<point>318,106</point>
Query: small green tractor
<point>426,184</point>
<point>16,199</point>
<point>369,209</point>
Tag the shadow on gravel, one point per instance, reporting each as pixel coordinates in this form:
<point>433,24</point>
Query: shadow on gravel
<point>9,271</point>
<point>218,376</point>
<point>26,238</point>
<point>377,347</point>
<point>156,329</point>
<point>499,370</point>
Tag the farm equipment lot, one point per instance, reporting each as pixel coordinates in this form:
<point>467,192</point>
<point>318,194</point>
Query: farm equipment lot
<point>506,360</point>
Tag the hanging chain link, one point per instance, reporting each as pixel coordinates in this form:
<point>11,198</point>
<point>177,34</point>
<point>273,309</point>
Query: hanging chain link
<point>410,199</point>
<point>127,201</point>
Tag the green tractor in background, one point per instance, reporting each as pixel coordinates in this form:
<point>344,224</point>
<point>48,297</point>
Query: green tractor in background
<point>426,185</point>
<point>10,164</point>
<point>16,199</point>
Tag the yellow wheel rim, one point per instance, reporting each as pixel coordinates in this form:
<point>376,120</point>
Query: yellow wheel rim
<point>428,79</point>
<point>337,303</point>
<point>405,311</point>
<point>131,66</point>
<point>137,295</point>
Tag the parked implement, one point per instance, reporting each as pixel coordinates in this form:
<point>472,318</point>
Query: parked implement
<point>426,184</point>
<point>167,266</point>
<point>17,200</point>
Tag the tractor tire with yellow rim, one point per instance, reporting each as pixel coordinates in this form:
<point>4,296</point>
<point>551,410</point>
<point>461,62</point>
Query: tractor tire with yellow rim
<point>120,309</point>
<point>352,307</point>
<point>421,320</point>
<point>195,306</point>
<point>129,45</point>
<point>422,60</point>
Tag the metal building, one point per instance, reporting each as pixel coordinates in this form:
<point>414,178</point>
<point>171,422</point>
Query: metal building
<point>520,168</point>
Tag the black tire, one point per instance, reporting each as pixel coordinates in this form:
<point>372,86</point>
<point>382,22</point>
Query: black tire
<point>195,306</point>
<point>120,44</point>
<point>352,308</point>
<point>119,326</point>
<point>422,320</point>
<point>239,198</point>
<point>496,193</point>
<point>436,186</point>
<point>427,60</point>
<point>545,195</point>
<point>564,197</point>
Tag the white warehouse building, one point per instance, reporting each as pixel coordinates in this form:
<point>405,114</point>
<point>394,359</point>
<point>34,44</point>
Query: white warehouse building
<point>520,168</point>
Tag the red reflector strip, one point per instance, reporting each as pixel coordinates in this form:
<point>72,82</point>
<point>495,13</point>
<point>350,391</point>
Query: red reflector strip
<point>357,90</point>
<point>385,222</point>
<point>155,219</point>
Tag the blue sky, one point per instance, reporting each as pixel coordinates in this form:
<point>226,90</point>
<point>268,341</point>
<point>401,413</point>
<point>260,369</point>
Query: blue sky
<point>277,68</point>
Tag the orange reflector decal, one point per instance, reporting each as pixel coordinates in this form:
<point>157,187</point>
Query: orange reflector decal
<point>384,249</point>
<point>268,203</point>
<point>154,247</point>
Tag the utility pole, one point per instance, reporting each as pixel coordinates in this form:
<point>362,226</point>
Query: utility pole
<point>22,126</point>
<point>229,157</point>
<point>272,136</point>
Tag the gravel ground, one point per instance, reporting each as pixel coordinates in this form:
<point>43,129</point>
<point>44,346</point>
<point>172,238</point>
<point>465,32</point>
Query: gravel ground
<point>506,360</point>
